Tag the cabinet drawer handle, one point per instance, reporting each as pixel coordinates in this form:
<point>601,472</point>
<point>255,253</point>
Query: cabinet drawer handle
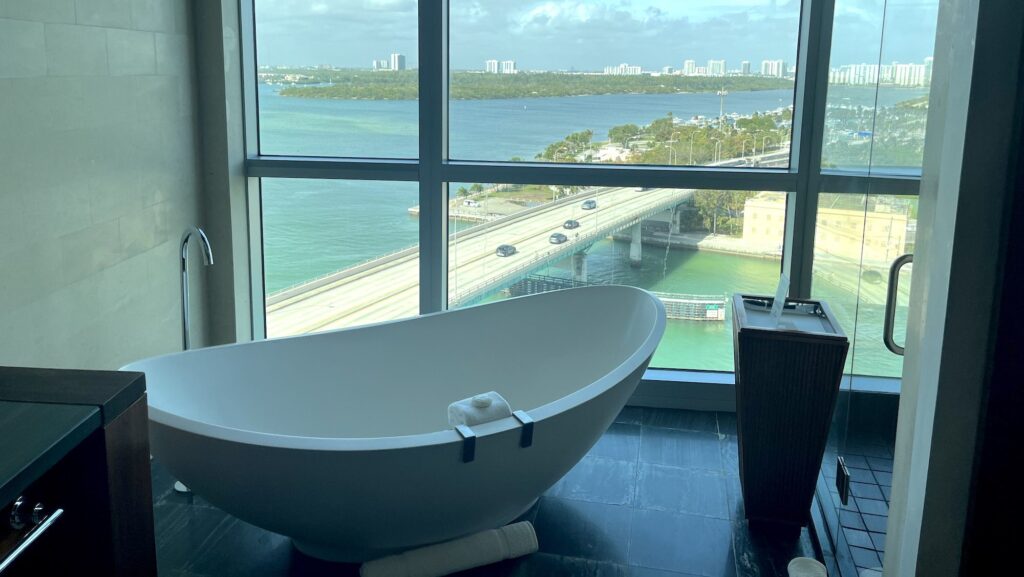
<point>43,523</point>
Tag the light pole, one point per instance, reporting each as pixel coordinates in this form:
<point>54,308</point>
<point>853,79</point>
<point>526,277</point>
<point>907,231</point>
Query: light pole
<point>718,149</point>
<point>763,139</point>
<point>671,147</point>
<point>692,134</point>
<point>721,111</point>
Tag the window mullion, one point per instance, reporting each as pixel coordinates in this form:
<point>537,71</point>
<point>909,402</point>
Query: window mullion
<point>433,124</point>
<point>808,136</point>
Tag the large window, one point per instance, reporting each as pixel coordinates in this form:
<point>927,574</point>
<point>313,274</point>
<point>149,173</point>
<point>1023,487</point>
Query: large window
<point>413,157</point>
<point>619,82</point>
<point>337,78</point>
<point>879,76</point>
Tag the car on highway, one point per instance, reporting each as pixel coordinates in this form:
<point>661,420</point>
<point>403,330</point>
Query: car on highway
<point>589,204</point>
<point>557,238</point>
<point>505,250</point>
<point>571,224</point>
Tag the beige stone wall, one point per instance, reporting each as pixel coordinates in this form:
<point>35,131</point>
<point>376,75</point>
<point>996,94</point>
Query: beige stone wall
<point>99,175</point>
<point>879,236</point>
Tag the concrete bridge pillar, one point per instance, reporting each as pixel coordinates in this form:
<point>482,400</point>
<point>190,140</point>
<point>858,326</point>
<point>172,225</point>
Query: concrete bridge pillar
<point>676,223</point>
<point>579,266</point>
<point>635,247</point>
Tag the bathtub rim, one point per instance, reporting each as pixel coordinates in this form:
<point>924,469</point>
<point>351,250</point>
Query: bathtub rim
<point>638,358</point>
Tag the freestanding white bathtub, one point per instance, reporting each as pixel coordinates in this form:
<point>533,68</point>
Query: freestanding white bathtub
<point>340,440</point>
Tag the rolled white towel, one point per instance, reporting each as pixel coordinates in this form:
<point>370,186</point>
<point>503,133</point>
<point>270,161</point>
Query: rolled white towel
<point>475,550</point>
<point>478,409</point>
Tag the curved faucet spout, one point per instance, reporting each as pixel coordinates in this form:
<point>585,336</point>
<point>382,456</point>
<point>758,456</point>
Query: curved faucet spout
<point>207,260</point>
<point>204,244</point>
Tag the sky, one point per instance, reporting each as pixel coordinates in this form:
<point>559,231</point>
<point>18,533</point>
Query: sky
<point>588,34</point>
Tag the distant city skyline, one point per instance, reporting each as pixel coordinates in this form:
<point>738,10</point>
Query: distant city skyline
<point>564,34</point>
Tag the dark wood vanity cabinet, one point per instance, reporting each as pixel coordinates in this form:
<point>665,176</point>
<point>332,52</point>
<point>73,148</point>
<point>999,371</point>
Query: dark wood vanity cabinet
<point>75,493</point>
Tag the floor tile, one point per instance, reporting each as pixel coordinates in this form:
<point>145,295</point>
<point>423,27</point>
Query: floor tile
<point>878,539</point>
<point>856,461</point>
<point>677,448</point>
<point>630,416</point>
<point>239,549</point>
<point>869,450</point>
<point>182,531</point>
<point>622,441</point>
<point>866,491</point>
<point>872,507</point>
<point>860,475</point>
<point>693,491</point>
<point>865,558</point>
<point>598,480</point>
<point>883,478</point>
<point>545,565</point>
<point>730,455</point>
<point>726,424</point>
<point>593,531</point>
<point>875,523</point>
<point>858,538</point>
<point>699,421</point>
<point>851,519</point>
<point>877,464</point>
<point>734,493</point>
<point>765,552</point>
<point>679,542</point>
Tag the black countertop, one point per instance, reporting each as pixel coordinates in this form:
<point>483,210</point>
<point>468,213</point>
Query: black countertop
<point>45,413</point>
<point>110,391</point>
<point>36,436</point>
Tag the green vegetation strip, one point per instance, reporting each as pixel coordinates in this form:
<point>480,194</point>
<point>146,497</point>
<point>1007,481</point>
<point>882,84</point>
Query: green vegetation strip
<point>403,85</point>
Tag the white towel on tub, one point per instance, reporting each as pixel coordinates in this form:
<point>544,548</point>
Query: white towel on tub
<point>477,409</point>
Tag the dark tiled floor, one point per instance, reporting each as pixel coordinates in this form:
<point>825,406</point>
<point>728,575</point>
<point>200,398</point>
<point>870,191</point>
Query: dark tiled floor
<point>864,517</point>
<point>658,496</point>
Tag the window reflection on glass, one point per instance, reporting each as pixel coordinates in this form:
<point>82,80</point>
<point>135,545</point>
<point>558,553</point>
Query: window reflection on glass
<point>623,81</point>
<point>337,78</point>
<point>856,240</point>
<point>338,253</point>
<point>693,248</point>
<point>879,76</point>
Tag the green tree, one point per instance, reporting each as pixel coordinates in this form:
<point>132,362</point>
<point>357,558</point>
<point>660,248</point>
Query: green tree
<point>463,191</point>
<point>622,134</point>
<point>721,210</point>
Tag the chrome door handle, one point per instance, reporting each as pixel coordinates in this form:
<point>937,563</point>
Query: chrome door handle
<point>890,302</point>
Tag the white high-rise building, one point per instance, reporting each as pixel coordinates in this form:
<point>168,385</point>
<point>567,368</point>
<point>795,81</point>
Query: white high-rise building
<point>508,67</point>
<point>689,67</point>
<point>397,61</point>
<point>668,70</point>
<point>745,68</point>
<point>716,67</point>
<point>381,65</point>
<point>774,68</point>
<point>623,70</point>
<point>908,74</point>
<point>491,66</point>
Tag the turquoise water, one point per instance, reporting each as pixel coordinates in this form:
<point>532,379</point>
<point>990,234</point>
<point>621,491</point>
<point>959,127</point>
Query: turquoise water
<point>315,227</point>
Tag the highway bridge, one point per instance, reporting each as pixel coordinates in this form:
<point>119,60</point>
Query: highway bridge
<point>388,288</point>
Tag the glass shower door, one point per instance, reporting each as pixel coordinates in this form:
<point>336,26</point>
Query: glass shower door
<point>858,239</point>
